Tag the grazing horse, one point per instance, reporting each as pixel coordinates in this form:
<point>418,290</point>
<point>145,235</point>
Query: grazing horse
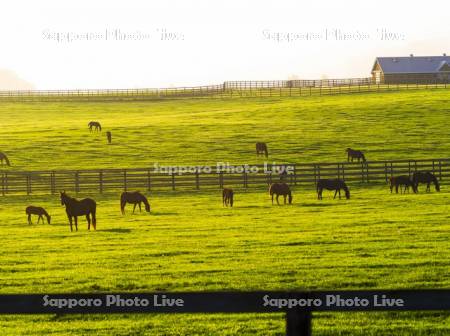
<point>3,157</point>
<point>355,154</point>
<point>96,125</point>
<point>401,181</point>
<point>75,208</point>
<point>280,189</point>
<point>332,184</point>
<point>261,148</point>
<point>109,136</point>
<point>227,197</point>
<point>135,198</point>
<point>425,177</point>
<point>32,210</point>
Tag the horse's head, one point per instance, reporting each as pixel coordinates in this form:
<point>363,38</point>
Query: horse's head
<point>63,197</point>
<point>147,207</point>
<point>348,150</point>
<point>347,193</point>
<point>48,219</point>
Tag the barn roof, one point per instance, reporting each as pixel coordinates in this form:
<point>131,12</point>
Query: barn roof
<point>413,64</point>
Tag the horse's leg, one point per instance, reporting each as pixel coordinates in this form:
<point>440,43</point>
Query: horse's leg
<point>284,198</point>
<point>428,187</point>
<point>134,208</point>
<point>272,199</point>
<point>76,223</point>
<point>339,191</point>
<point>335,193</point>
<point>278,195</point>
<point>29,219</point>
<point>140,209</point>
<point>89,221</point>
<point>39,218</point>
<point>70,222</point>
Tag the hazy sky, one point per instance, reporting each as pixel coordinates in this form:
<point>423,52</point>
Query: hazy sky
<point>128,44</point>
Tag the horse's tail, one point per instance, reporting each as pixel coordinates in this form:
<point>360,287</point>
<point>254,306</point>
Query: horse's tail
<point>123,201</point>
<point>94,218</point>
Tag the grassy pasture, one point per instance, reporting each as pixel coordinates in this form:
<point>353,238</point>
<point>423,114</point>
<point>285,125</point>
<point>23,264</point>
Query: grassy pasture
<point>189,242</point>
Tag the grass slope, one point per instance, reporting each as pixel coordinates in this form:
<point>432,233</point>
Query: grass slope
<point>189,242</point>
<point>317,129</point>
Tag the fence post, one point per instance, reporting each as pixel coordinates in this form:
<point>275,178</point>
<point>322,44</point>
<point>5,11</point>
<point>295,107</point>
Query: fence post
<point>28,184</point>
<point>295,174</point>
<point>173,181</point>
<point>440,170</point>
<point>52,183</point>
<point>149,186</point>
<point>385,172</point>
<point>221,179</point>
<point>125,180</point>
<point>100,181</point>
<point>245,179</point>
<point>3,184</point>
<point>197,180</point>
<point>298,323</point>
<point>77,182</point>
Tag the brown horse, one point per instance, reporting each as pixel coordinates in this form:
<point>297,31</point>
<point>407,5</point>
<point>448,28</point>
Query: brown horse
<point>109,136</point>
<point>32,210</point>
<point>401,181</point>
<point>425,177</point>
<point>135,198</point>
<point>96,125</point>
<point>280,189</point>
<point>227,197</point>
<point>332,184</point>
<point>75,208</point>
<point>261,149</point>
<point>3,157</point>
<point>355,154</point>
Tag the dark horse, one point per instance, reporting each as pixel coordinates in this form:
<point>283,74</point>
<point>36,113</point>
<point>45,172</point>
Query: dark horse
<point>261,148</point>
<point>32,210</point>
<point>96,125</point>
<point>401,181</point>
<point>227,197</point>
<point>332,184</point>
<point>135,198</point>
<point>355,154</point>
<point>109,136</point>
<point>75,208</point>
<point>425,177</point>
<point>280,189</point>
<point>3,157</point>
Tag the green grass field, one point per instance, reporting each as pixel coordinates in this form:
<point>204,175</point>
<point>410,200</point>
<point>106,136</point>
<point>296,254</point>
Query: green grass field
<point>189,242</point>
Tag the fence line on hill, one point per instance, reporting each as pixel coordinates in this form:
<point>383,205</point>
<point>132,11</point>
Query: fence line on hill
<point>209,177</point>
<point>230,89</point>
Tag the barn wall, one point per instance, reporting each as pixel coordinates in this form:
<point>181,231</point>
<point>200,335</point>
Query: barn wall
<point>430,78</point>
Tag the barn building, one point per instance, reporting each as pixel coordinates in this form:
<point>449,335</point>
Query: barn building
<point>411,70</point>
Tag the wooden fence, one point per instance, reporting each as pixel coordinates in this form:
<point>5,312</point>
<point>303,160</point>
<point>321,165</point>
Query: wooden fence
<point>297,306</point>
<point>232,89</point>
<point>214,177</point>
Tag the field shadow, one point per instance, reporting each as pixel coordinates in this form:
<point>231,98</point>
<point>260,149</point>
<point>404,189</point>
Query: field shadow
<point>155,213</point>
<point>116,230</point>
